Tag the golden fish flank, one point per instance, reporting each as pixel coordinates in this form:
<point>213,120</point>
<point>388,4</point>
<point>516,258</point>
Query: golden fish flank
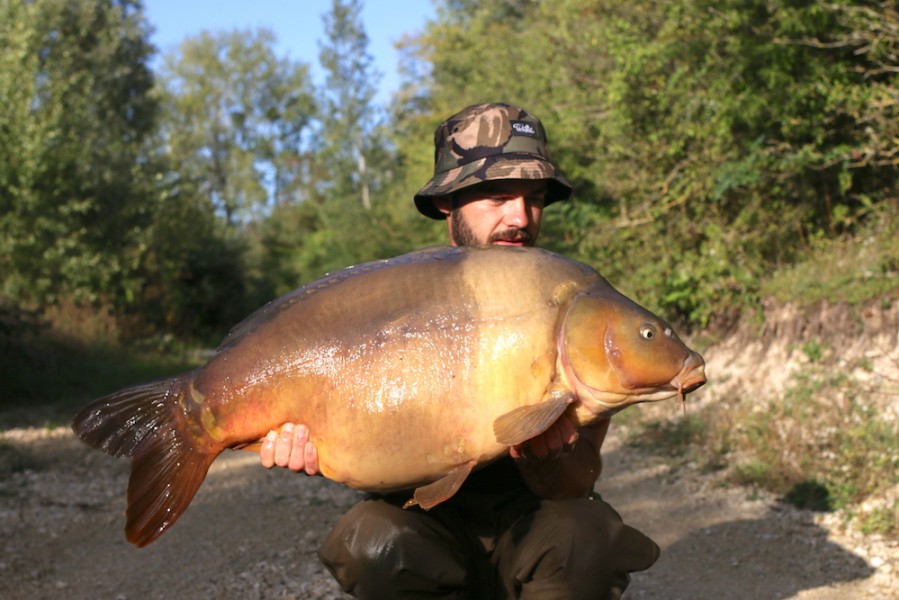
<point>457,352</point>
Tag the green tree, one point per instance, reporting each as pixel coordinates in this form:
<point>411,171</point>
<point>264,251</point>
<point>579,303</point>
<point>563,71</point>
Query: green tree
<point>236,120</point>
<point>350,119</point>
<point>77,105</point>
<point>351,216</point>
<point>193,270</point>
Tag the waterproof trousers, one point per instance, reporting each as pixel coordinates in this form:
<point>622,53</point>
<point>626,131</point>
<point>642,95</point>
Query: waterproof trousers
<point>509,545</point>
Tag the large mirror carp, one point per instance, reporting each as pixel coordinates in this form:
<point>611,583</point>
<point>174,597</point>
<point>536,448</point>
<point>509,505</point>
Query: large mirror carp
<point>409,372</point>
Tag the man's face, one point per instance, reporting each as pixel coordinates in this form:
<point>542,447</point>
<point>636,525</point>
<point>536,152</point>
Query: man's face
<point>503,212</point>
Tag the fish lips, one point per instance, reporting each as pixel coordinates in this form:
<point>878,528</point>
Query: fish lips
<point>692,376</point>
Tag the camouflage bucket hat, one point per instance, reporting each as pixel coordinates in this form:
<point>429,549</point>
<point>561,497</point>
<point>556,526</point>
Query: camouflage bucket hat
<point>487,142</point>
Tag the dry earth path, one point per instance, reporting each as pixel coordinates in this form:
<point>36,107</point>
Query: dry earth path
<point>252,533</point>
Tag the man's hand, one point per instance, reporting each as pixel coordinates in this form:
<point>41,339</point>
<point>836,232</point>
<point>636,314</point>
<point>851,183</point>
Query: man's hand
<point>290,448</point>
<point>570,474</point>
<point>556,440</point>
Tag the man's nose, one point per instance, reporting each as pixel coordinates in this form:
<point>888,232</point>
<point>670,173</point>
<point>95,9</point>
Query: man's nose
<point>516,211</point>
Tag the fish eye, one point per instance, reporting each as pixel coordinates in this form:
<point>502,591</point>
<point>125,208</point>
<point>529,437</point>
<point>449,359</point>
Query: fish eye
<point>647,331</point>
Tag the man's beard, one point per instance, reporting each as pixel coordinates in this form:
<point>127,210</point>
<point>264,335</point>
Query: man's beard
<point>464,236</point>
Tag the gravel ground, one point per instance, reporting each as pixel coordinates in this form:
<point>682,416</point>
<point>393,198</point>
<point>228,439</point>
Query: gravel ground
<point>252,533</point>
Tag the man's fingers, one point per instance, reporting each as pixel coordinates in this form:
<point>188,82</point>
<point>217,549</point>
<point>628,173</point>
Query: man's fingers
<point>290,447</point>
<point>311,459</point>
<point>298,455</point>
<point>267,452</point>
<point>555,438</point>
<point>284,445</point>
<point>558,439</point>
<point>568,433</point>
<point>538,446</point>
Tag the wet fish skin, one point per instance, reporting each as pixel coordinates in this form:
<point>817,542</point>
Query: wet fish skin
<point>409,372</point>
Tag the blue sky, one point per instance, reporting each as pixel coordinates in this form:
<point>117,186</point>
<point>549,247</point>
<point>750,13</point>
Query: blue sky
<point>296,23</point>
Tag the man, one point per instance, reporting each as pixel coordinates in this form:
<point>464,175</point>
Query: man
<point>528,525</point>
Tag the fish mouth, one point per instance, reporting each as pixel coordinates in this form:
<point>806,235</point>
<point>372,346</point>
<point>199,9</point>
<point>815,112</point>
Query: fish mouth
<point>690,378</point>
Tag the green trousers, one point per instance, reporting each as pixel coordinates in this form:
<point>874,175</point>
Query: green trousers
<point>494,541</point>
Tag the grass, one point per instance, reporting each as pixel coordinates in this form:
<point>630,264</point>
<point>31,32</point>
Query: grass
<point>820,436</point>
<point>53,368</point>
<point>49,392</point>
<point>820,445</point>
<point>848,271</point>
<point>883,520</point>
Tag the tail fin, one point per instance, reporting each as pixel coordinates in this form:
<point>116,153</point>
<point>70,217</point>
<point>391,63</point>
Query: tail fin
<point>146,423</point>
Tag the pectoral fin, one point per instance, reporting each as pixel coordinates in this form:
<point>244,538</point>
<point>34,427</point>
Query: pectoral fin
<point>526,422</point>
<point>429,496</point>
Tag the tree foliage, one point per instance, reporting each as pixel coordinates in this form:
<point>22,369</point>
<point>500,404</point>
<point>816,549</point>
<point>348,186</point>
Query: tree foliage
<point>236,120</point>
<point>91,212</point>
<point>352,213</point>
<point>75,89</point>
<point>193,273</point>
<point>709,142</point>
<point>236,147</point>
<point>349,121</point>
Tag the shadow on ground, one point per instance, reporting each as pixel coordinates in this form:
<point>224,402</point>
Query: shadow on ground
<point>722,543</point>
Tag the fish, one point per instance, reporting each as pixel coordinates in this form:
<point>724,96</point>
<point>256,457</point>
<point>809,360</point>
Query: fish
<point>409,372</point>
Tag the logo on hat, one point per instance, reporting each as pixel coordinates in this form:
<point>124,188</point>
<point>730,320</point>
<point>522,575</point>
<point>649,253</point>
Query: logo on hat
<point>523,128</point>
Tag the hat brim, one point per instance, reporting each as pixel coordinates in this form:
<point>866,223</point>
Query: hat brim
<point>492,168</point>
